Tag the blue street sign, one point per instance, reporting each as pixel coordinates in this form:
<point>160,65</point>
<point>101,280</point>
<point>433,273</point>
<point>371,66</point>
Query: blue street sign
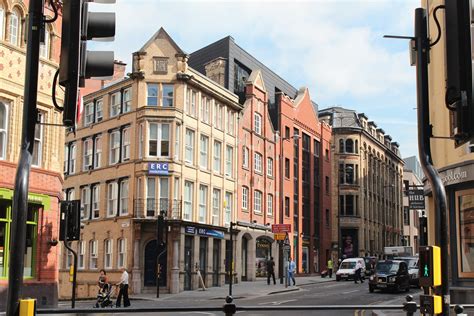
<point>158,168</point>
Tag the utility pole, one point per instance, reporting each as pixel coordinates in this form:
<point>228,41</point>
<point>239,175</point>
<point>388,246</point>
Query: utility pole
<point>20,196</point>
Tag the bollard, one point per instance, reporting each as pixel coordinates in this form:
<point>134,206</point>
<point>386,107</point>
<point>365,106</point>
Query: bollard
<point>409,306</point>
<point>27,307</point>
<point>229,307</point>
<point>459,310</point>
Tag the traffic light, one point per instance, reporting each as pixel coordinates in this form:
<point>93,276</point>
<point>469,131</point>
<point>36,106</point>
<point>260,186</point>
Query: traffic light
<point>431,304</point>
<point>459,54</point>
<point>70,221</point>
<point>77,63</point>
<point>429,266</point>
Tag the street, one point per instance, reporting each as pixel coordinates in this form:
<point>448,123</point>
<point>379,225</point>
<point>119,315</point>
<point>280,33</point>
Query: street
<point>327,293</point>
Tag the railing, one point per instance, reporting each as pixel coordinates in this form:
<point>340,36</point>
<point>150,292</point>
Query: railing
<point>150,208</point>
<point>229,308</point>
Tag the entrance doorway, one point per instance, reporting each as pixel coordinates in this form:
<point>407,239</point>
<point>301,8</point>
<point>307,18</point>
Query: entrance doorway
<point>188,262</point>
<point>245,244</point>
<point>216,260</point>
<point>151,253</point>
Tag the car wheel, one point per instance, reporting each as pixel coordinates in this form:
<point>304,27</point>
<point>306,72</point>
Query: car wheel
<point>371,289</point>
<point>338,278</point>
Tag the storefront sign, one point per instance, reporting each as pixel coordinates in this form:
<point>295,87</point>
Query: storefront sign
<point>279,236</point>
<point>158,168</point>
<point>457,175</point>
<point>190,230</point>
<point>204,232</point>
<point>281,228</point>
<point>416,199</point>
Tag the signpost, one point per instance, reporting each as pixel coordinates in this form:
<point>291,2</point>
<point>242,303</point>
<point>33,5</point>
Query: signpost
<point>416,199</point>
<point>281,228</point>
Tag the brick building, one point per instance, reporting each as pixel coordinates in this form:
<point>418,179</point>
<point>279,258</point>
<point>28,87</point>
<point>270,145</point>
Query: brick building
<point>163,140</point>
<point>45,184</point>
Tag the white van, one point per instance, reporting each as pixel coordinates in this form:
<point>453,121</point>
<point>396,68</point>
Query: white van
<point>346,270</point>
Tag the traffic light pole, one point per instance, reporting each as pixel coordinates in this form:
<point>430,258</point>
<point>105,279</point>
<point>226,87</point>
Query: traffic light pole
<point>20,195</point>
<point>424,134</point>
<point>74,274</point>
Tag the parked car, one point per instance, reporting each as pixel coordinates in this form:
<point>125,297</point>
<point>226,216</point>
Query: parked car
<point>412,263</point>
<point>390,275</point>
<point>346,269</point>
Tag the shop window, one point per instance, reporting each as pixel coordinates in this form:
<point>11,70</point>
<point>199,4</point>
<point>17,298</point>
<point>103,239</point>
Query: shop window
<point>465,233</point>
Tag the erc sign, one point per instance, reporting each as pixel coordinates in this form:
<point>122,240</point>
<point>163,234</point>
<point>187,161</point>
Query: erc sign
<point>158,168</point>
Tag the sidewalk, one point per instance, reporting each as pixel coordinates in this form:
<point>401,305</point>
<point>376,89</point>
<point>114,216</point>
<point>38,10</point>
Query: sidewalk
<point>239,290</point>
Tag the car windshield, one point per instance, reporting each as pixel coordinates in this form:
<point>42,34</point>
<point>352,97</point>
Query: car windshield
<point>387,267</point>
<point>348,265</point>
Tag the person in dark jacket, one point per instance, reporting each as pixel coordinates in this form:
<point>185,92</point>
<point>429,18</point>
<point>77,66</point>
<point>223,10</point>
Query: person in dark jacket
<point>270,270</point>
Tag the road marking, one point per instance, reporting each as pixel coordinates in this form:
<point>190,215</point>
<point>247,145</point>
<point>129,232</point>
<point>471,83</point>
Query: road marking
<point>276,302</point>
<point>353,291</point>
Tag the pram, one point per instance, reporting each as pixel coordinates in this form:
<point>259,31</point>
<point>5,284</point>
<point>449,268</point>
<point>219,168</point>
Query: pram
<point>104,296</point>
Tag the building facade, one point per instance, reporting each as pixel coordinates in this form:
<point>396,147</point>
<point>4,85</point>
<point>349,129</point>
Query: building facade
<point>163,141</point>
<point>230,65</point>
<point>45,182</point>
<point>368,171</point>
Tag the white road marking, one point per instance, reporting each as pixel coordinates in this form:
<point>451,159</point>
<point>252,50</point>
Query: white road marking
<point>353,291</point>
<point>276,302</point>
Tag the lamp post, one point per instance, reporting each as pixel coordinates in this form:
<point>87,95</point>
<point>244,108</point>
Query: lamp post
<point>282,257</point>
<point>231,261</point>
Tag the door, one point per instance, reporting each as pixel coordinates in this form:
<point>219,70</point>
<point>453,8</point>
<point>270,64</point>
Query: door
<point>188,262</point>
<point>216,259</point>
<point>150,263</point>
<point>244,258</point>
<point>203,258</point>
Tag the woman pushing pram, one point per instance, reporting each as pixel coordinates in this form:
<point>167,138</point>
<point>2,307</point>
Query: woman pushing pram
<point>105,291</point>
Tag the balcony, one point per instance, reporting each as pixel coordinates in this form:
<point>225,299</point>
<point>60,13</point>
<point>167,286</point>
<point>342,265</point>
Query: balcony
<point>150,208</point>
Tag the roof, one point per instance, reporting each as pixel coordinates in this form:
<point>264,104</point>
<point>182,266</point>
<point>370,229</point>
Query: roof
<point>341,117</point>
<point>161,33</point>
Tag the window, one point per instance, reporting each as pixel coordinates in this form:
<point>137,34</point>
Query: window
<point>112,193</point>
<point>81,253</point>
<point>245,197</point>
<point>151,197</point>
<point>188,200</point>
<point>205,109</point>
<point>347,205</point>
<point>348,173</point>
<point>287,168</point>
<point>204,150</point>
<point>349,146</point>
<point>122,252</point>
<point>327,218</point>
<point>38,146</point>
<point>115,104</point>
<point>152,94</point>
<point>14,29</point>
<point>189,146</point>
<point>124,197</point>
<point>140,141</point>
<point>70,194</point>
<point>108,254</point>
<point>127,100</point>
<point>2,22</point>
<point>218,115</point>
<point>258,162</point>
<point>270,167</point>
<point>287,206</point>
<point>95,201</point>
<point>87,151</point>
<point>191,97</point>
<point>327,185</point>
<point>202,203</point>
<point>72,159</point>
<point>44,47</point>
<point>97,151</point>
<point>230,122</point>
<point>406,215</point>
<point>245,157</point>
<point>114,147</point>
<point>258,123</point>
<point>93,254</point>
<point>125,144</point>
<point>269,205</point>
<point>229,161</point>
<point>228,208</point>
<point>88,114</point>
<point>287,132</point>
<point>85,202</point>
<point>217,156</point>
<point>99,110</point>
<point>159,143</point>
<point>257,203</point>
<point>66,159</point>
<point>3,122</point>
<point>216,205</point>
<point>168,95</point>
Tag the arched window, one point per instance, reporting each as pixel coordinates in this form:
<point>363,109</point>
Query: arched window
<point>45,47</point>
<point>349,146</point>
<point>14,28</point>
<point>3,130</point>
<point>2,22</point>
<point>341,145</point>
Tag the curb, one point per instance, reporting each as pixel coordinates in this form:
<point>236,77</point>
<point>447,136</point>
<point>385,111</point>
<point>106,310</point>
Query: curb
<point>284,291</point>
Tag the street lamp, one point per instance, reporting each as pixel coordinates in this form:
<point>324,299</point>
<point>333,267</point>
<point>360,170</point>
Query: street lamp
<point>283,256</point>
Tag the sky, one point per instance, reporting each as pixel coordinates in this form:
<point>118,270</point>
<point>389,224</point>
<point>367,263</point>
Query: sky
<point>333,47</point>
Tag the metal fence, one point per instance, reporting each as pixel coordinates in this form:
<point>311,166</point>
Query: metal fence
<point>151,207</point>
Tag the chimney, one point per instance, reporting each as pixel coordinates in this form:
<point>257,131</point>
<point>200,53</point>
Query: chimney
<point>215,70</point>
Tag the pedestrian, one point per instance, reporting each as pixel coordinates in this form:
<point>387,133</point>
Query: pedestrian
<point>291,271</point>
<point>270,270</point>
<point>123,284</point>
<point>103,283</point>
<point>330,267</point>
<point>358,274</point>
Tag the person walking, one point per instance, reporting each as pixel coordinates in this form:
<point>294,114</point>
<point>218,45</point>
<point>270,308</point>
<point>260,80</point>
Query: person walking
<point>291,271</point>
<point>123,284</point>
<point>358,270</point>
<point>270,270</point>
<point>330,267</point>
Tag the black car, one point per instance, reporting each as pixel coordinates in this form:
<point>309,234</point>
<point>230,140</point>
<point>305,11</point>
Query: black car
<point>390,275</point>
<point>412,263</point>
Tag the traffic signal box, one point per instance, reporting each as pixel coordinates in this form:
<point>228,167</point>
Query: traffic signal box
<point>430,266</point>
<point>431,304</point>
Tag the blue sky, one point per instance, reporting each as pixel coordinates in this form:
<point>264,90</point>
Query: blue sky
<point>334,47</point>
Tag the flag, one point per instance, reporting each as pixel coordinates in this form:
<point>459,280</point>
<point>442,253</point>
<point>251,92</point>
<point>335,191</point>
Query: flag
<point>80,106</point>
